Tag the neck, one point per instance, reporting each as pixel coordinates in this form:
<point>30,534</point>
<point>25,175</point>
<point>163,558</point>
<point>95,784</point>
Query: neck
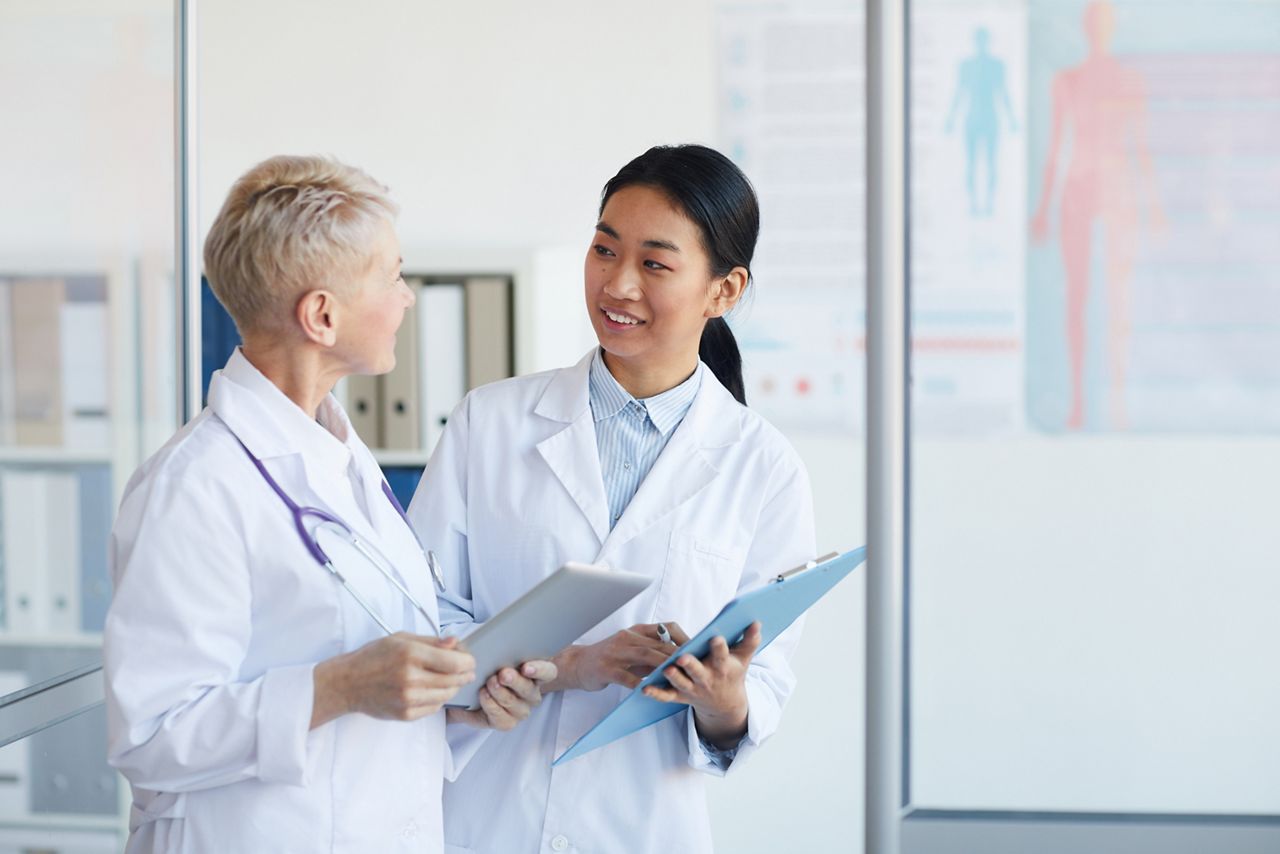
<point>646,380</point>
<point>299,372</point>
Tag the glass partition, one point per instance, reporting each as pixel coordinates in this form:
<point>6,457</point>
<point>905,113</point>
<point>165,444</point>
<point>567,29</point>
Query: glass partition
<point>87,384</point>
<point>1095,317</point>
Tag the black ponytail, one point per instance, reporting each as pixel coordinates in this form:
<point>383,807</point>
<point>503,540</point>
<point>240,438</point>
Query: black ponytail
<point>714,193</point>
<point>719,349</point>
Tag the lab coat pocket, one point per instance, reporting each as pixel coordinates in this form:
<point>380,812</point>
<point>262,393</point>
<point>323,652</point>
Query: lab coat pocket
<point>700,576</point>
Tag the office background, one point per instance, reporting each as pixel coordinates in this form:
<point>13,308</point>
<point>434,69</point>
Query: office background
<point>1092,549</point>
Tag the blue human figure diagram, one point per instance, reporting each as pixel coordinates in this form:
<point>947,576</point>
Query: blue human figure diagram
<point>981,91</point>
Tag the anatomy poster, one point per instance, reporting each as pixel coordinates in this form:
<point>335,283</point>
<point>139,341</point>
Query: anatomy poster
<point>1153,287</point>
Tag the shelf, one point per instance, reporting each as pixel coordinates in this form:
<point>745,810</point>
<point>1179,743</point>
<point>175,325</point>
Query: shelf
<point>417,459</point>
<point>82,640</point>
<point>53,455</point>
<point>62,821</point>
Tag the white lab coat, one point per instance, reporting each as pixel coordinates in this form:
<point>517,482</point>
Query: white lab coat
<point>218,617</point>
<point>513,491</point>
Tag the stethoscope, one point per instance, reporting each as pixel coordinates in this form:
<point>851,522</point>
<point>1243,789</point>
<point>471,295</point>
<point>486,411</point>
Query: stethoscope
<point>370,553</point>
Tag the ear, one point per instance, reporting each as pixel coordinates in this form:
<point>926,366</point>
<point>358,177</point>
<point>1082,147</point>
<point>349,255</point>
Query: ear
<point>726,291</point>
<point>317,314</point>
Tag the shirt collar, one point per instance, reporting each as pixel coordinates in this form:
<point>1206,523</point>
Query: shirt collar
<point>327,439</point>
<point>665,410</point>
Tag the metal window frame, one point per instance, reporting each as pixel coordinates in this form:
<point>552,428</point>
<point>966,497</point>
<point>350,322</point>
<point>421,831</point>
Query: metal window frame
<point>894,823</point>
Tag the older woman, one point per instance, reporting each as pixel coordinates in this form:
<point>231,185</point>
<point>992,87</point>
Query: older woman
<point>274,671</point>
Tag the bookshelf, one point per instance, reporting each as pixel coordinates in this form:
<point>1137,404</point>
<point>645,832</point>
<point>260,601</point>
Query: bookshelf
<point>95,334</point>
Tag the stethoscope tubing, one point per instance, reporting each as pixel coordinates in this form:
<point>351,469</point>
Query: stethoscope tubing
<point>368,551</point>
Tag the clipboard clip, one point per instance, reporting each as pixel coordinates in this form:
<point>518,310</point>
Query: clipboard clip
<point>783,576</point>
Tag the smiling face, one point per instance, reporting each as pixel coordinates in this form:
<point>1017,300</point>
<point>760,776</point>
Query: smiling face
<point>372,314</point>
<point>649,289</point>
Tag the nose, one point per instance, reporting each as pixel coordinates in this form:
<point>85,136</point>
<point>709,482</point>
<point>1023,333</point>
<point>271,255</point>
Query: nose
<point>623,285</point>
<point>410,293</point>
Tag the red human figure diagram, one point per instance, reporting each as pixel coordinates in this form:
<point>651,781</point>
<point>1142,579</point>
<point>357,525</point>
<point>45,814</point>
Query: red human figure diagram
<point>1101,105</point>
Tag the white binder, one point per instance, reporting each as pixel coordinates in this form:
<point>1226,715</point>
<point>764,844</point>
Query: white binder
<point>442,349</point>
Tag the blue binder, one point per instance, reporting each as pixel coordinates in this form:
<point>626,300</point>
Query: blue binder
<point>776,605</point>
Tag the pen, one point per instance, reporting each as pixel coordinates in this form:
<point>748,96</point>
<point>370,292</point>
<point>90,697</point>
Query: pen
<point>663,634</point>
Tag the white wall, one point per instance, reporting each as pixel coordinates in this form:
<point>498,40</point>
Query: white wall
<point>495,125</point>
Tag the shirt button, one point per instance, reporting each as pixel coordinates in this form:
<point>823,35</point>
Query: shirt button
<point>627,466</point>
<point>559,843</point>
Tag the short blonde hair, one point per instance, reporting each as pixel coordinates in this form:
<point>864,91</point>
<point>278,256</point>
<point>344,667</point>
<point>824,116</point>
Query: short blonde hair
<point>292,225</point>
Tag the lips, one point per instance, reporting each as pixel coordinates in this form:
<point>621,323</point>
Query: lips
<point>620,318</point>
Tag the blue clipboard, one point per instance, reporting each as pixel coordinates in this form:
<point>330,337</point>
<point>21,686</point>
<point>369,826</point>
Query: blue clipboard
<point>776,605</point>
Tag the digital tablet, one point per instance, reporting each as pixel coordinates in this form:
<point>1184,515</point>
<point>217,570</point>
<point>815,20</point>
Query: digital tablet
<point>559,610</point>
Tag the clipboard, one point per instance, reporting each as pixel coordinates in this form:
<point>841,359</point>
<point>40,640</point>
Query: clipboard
<point>776,605</point>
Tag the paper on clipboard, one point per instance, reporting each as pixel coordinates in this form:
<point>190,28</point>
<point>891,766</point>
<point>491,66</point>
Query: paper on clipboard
<point>776,605</point>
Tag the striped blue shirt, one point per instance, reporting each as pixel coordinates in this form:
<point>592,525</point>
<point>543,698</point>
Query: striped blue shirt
<point>630,436</point>
<point>630,433</point>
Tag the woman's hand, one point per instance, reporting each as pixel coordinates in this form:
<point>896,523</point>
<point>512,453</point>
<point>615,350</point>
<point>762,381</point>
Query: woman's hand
<point>507,697</point>
<point>402,677</point>
<point>623,658</point>
<point>714,687</point>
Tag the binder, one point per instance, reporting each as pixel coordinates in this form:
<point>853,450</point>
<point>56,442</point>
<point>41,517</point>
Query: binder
<point>362,408</point>
<point>776,605</point>
<point>26,537</point>
<point>441,344</point>
<point>96,513</point>
<point>59,612</point>
<point>35,317</point>
<point>488,330</point>
<point>85,378</point>
<point>8,421</point>
<point>399,401</point>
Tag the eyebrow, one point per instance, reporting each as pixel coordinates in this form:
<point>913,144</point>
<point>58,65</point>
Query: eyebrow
<point>604,227</point>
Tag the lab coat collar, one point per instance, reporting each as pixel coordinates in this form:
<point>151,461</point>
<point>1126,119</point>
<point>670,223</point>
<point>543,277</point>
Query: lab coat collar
<point>566,396</point>
<point>272,425</point>
<point>681,472</point>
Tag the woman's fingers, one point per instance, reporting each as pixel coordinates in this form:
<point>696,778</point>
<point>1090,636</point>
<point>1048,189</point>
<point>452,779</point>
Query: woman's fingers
<point>622,676</point>
<point>497,716</point>
<point>539,670</point>
<point>442,660</point>
<point>746,648</point>
<point>663,695</point>
<point>677,634</point>
<point>678,676</point>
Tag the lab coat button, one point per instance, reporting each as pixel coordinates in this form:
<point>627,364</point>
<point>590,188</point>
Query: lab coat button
<point>560,843</point>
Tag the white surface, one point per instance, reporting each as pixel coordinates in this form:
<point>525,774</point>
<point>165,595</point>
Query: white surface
<point>1093,625</point>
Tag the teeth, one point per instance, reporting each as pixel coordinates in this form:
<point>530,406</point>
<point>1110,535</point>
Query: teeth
<point>618,318</point>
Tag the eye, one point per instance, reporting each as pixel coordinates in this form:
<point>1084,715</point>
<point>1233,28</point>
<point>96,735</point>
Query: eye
<point>603,251</point>
<point>654,265</point>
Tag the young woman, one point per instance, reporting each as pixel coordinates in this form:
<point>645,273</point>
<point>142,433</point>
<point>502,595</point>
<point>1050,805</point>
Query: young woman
<point>254,702</point>
<point>639,457</point>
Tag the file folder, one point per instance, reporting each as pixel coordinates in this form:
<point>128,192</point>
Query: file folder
<point>399,403</point>
<point>442,341</point>
<point>776,605</point>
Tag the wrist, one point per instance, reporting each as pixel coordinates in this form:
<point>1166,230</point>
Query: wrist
<point>722,729</point>
<point>566,661</point>
<point>331,698</point>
